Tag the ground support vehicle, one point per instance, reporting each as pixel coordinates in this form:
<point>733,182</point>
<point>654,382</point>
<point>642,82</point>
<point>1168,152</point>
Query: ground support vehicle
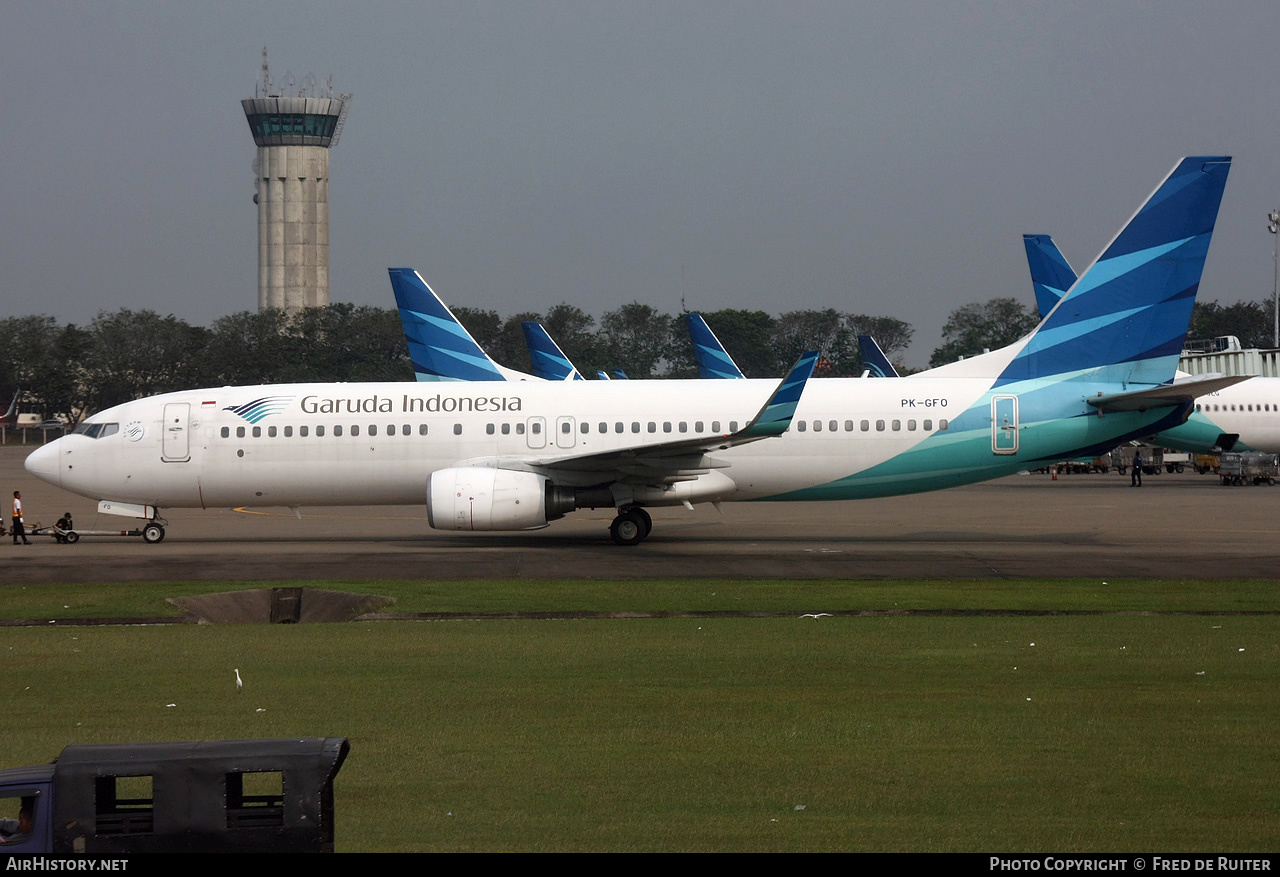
<point>201,796</point>
<point>1249,468</point>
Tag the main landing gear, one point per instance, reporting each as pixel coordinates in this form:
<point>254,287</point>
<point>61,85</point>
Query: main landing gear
<point>631,526</point>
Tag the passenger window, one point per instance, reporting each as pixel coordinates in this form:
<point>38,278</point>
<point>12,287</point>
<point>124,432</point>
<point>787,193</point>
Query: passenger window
<point>422,429</point>
<point>319,432</point>
<point>13,808</point>
<point>635,426</point>
<point>519,429</point>
<point>911,425</point>
<point>715,426</point>
<point>897,425</point>
<point>488,429</point>
<point>733,426</point>
<point>604,427</point>
<point>942,425</point>
<point>817,426</point>
<point>288,432</point>
<point>879,426</point>
<point>302,431</point>
<point>585,428</point>
<point>257,432</point>
<point>506,429</point>
<point>833,426</point>
<point>697,426</point>
<point>123,805</point>
<point>239,432</point>
<point>373,429</point>
<point>457,429</point>
<point>271,432</point>
<point>355,430</point>
<point>337,431</point>
<point>684,427</point>
<point>566,428</point>
<point>801,426</point>
<point>617,427</point>
<point>928,426</point>
<point>226,432</point>
<point>391,429</point>
<point>653,427</point>
<point>666,426</point>
<point>848,426</point>
<point>405,429</point>
<point>535,428</point>
<point>255,800</point>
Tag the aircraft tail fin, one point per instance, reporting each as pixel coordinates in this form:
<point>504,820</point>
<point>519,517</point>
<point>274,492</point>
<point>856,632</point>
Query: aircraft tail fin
<point>1051,273</point>
<point>713,360</point>
<point>1126,318</point>
<point>874,360</point>
<point>441,349</point>
<point>549,361</point>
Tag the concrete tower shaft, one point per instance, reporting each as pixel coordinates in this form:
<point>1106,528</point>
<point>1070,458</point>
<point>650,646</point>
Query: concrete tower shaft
<point>293,135</point>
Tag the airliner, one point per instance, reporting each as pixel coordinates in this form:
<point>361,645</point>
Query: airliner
<point>1245,417</point>
<point>506,455</point>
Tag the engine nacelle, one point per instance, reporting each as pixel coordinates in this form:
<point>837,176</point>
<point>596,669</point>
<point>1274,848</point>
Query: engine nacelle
<point>482,498</point>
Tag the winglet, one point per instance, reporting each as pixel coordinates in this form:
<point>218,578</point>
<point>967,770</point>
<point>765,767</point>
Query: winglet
<point>601,374</point>
<point>441,349</point>
<point>874,360</point>
<point>549,361</point>
<point>713,360</point>
<point>1051,273</point>
<point>775,417</point>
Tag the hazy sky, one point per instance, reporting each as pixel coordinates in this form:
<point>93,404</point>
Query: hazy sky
<point>875,157</point>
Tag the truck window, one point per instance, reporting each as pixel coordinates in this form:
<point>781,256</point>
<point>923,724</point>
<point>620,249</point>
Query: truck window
<point>123,805</point>
<point>255,800</point>
<point>17,817</point>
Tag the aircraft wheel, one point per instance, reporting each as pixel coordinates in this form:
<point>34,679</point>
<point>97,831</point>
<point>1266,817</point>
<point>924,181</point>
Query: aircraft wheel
<point>644,517</point>
<point>628,528</point>
<point>152,533</point>
<point>71,537</point>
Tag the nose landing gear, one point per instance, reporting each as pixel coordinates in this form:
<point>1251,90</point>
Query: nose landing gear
<point>631,526</point>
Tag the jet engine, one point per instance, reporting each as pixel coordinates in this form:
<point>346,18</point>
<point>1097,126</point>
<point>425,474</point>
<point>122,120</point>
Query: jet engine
<point>482,498</point>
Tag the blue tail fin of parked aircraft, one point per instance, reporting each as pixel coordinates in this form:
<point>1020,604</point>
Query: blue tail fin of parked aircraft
<point>549,361</point>
<point>620,374</point>
<point>873,359</point>
<point>713,360</point>
<point>441,349</point>
<point>1125,319</point>
<point>1051,274</point>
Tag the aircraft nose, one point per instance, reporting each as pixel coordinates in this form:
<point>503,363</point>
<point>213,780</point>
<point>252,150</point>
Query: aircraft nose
<point>43,463</point>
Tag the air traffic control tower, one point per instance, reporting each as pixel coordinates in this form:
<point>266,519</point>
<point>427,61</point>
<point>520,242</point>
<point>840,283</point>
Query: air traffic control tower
<point>294,130</point>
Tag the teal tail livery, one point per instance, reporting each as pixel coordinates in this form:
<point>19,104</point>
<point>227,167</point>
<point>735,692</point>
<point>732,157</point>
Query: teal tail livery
<point>1051,274</point>
<point>439,346</point>
<point>1226,417</point>
<point>874,363</point>
<point>518,455</point>
<point>549,361</point>
<point>713,360</point>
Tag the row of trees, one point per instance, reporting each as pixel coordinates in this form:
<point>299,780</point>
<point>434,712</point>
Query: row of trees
<point>68,370</point>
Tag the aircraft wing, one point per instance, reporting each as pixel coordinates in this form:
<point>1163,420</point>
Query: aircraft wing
<point>1167,394</point>
<point>686,459</point>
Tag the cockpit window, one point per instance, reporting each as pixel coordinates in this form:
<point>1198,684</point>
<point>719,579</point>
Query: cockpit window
<point>97,430</point>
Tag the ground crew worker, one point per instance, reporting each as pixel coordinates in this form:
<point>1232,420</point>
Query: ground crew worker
<point>18,529</point>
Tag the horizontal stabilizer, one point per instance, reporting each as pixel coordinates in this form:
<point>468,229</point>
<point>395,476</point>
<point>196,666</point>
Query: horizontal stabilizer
<point>1166,394</point>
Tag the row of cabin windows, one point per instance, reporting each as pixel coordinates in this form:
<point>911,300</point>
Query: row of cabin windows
<point>304,431</point>
<point>566,427</point>
<point>1216,407</point>
<point>865,425</point>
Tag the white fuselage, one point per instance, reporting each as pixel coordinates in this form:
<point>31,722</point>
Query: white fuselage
<point>327,444</point>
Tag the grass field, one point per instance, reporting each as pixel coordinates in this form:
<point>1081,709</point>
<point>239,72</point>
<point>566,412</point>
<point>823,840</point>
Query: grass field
<point>1117,732</point>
